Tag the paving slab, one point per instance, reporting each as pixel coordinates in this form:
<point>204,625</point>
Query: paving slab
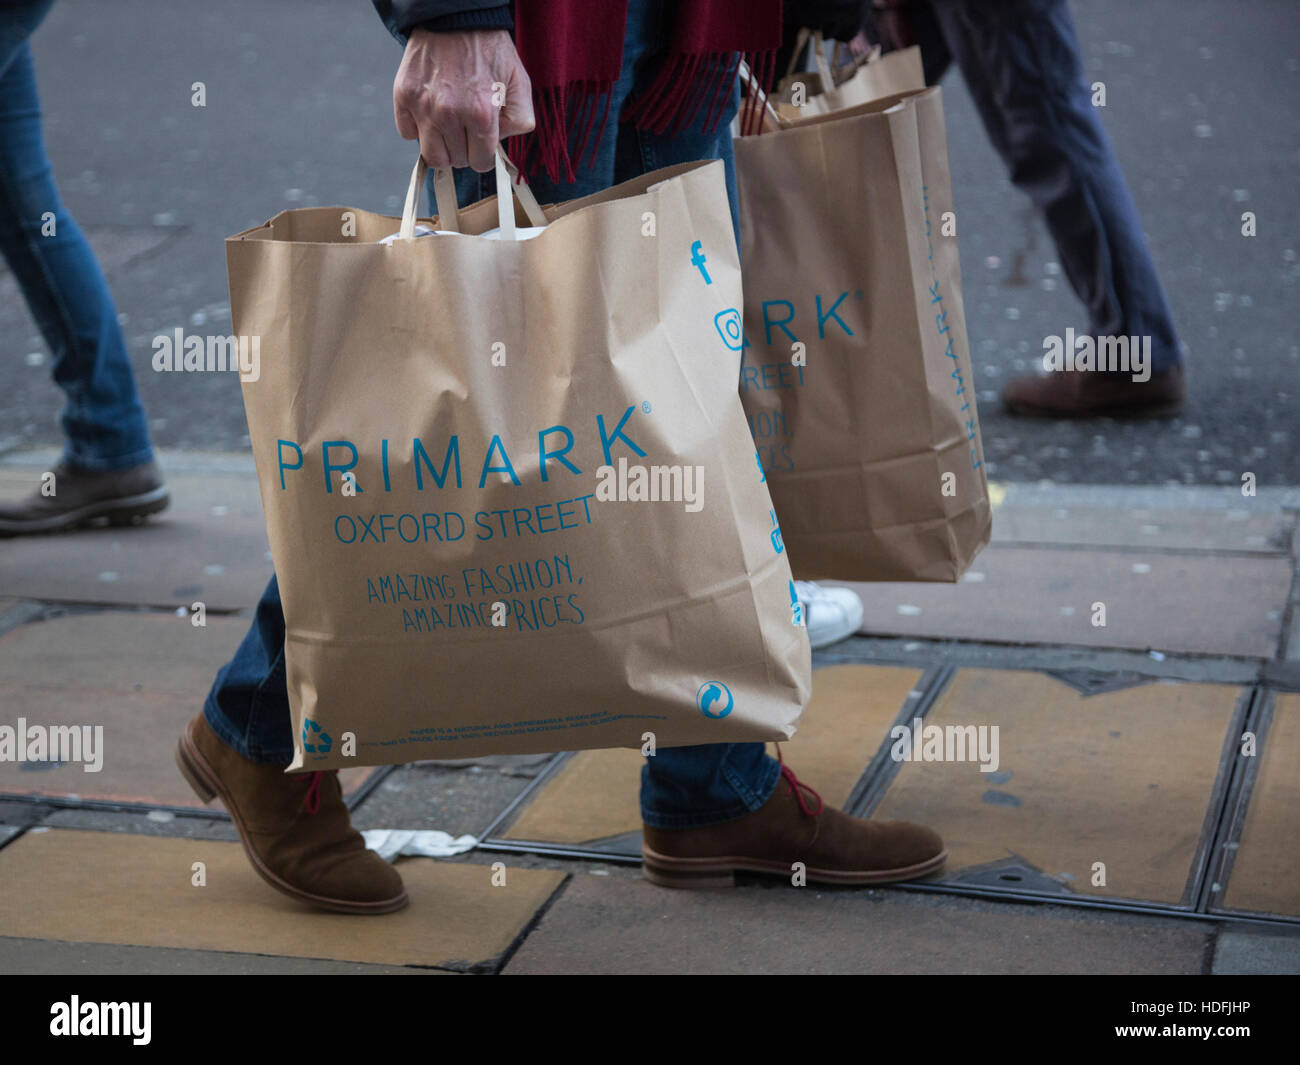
<point>1244,529</point>
<point>610,926</point>
<point>209,546</point>
<point>596,794</point>
<point>1123,778</point>
<point>102,887</point>
<point>142,822</point>
<point>1265,874</point>
<point>1153,600</point>
<point>1256,954</point>
<point>141,676</point>
<point>459,801</point>
<point>44,957</point>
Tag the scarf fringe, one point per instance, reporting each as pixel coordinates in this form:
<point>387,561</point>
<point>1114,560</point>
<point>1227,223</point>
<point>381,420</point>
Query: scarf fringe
<point>690,80</point>
<point>762,66</point>
<point>566,118</point>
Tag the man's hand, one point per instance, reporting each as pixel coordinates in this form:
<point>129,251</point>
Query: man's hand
<point>461,93</point>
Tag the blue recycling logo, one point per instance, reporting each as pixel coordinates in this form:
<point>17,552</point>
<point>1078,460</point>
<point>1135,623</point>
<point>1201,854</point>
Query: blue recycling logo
<point>322,745</point>
<point>711,693</point>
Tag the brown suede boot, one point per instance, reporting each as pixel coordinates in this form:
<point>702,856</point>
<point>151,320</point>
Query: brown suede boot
<point>120,497</point>
<point>834,847</point>
<point>295,827</point>
<point>1087,394</point>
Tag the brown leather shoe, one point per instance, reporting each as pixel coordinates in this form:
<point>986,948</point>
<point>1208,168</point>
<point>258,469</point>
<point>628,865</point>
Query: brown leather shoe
<point>834,847</point>
<point>1088,394</point>
<point>122,497</point>
<point>295,827</point>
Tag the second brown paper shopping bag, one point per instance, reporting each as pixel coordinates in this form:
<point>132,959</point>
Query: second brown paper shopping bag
<point>856,375</point>
<point>510,493</point>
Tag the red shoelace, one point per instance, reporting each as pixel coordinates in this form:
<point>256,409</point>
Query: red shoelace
<point>313,792</point>
<point>798,787</point>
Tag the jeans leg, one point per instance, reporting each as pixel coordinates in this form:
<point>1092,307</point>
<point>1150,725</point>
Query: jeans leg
<point>248,706</point>
<point>690,787</point>
<point>1022,63</point>
<point>60,278</point>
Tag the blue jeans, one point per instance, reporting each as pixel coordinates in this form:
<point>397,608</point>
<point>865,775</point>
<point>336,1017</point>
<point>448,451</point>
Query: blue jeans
<point>65,289</point>
<point>681,787</point>
<point>1022,64</point>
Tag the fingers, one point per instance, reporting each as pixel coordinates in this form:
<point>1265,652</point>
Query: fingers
<point>435,149</point>
<point>517,114</point>
<point>482,133</point>
<point>449,95</point>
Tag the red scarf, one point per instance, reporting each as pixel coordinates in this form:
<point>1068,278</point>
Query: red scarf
<point>573,52</point>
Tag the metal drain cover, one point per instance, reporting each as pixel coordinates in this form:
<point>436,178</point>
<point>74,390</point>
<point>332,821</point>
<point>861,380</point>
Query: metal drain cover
<point>1095,682</point>
<point>1013,874</point>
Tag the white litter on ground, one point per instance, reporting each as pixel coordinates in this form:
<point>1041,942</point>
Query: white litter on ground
<point>388,843</point>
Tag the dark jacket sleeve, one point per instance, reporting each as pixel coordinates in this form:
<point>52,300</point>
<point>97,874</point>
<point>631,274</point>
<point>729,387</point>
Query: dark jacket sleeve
<point>402,16</point>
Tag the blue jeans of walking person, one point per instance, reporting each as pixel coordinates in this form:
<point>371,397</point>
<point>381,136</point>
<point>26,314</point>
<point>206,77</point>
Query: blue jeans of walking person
<point>103,421</point>
<point>681,787</point>
<point>1022,63</point>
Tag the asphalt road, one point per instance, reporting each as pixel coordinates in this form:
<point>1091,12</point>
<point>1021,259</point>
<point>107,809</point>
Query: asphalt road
<point>1203,103</point>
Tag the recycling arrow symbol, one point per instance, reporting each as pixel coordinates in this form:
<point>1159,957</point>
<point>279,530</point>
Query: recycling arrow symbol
<point>322,745</point>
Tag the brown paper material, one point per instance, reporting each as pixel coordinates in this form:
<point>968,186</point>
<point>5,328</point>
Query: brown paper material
<point>872,79</point>
<point>846,267</point>
<point>514,364</point>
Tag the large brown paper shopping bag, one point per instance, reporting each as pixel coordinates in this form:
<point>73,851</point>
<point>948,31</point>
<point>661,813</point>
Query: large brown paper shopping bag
<point>857,376</point>
<point>511,496</point>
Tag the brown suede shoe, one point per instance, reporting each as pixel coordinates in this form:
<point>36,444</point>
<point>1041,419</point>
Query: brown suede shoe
<point>295,827</point>
<point>834,847</point>
<point>121,497</point>
<point>1087,394</point>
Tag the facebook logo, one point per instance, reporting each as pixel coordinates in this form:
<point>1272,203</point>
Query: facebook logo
<point>698,261</point>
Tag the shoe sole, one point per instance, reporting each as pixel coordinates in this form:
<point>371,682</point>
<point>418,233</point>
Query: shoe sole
<point>207,786</point>
<point>712,873</point>
<point>125,510</point>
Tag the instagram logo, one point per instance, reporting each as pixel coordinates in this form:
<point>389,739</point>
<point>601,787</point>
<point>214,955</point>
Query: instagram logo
<point>729,328</point>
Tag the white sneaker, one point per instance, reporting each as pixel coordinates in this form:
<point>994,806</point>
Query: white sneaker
<point>831,614</point>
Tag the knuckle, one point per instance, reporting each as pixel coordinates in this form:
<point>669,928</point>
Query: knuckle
<point>480,115</point>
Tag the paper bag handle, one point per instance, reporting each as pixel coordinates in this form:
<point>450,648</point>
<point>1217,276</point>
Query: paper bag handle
<point>509,187</point>
<point>819,60</point>
<point>756,90</point>
<point>800,43</point>
<point>823,67</point>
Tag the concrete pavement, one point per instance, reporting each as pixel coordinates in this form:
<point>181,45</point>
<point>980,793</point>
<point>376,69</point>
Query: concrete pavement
<point>1120,750</point>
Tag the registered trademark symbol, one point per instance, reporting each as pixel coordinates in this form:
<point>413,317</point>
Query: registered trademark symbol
<point>645,407</point>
